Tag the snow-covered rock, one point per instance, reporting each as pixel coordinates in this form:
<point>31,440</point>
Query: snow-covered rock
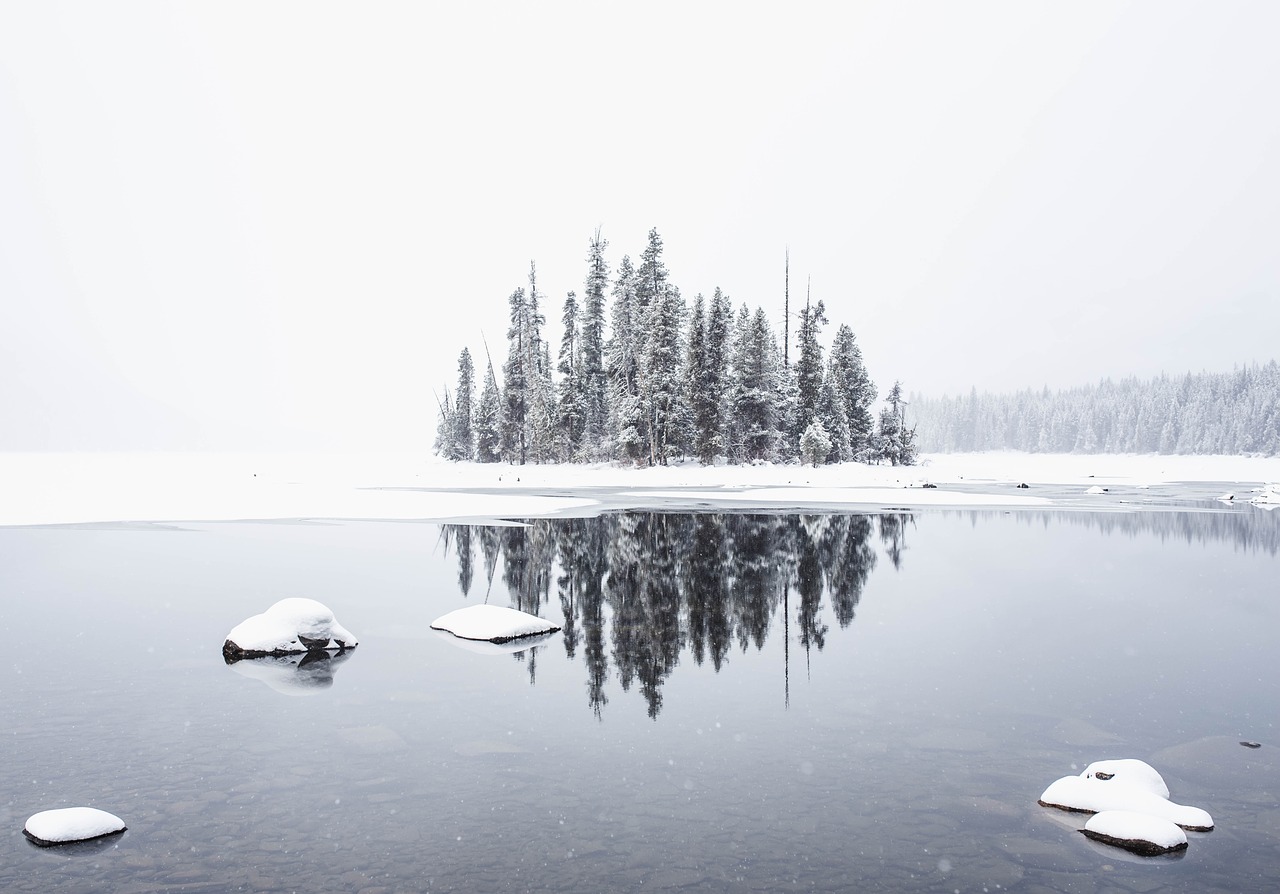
<point>309,673</point>
<point>1128,771</point>
<point>289,626</point>
<point>1137,832</point>
<point>1269,495</point>
<point>1096,489</point>
<point>493,623</point>
<point>1094,795</point>
<point>67,824</point>
<point>486,647</point>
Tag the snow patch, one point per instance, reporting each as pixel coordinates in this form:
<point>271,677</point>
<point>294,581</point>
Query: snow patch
<point>68,824</point>
<point>1127,785</point>
<point>290,626</point>
<point>1137,832</point>
<point>492,623</point>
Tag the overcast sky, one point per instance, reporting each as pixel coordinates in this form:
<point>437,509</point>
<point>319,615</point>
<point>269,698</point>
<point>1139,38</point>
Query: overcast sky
<point>274,225</point>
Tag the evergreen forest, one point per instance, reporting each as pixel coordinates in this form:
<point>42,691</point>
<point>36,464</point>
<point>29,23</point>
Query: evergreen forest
<point>1197,413</point>
<point>644,377</point>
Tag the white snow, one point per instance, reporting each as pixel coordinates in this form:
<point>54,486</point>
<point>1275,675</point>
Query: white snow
<point>1125,825</point>
<point>1096,489</point>
<point>1268,496</point>
<point>1129,771</point>
<point>1093,795</point>
<point>282,628</point>
<point>71,824</point>
<point>493,623</point>
<point>41,489</point>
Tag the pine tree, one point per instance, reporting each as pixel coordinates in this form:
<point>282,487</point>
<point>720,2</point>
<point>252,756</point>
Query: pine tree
<point>594,379</point>
<point>897,443</point>
<point>462,442</point>
<point>755,391</point>
<point>809,366</point>
<point>570,407</point>
<point>815,444</point>
<point>834,419</point>
<point>856,390</point>
<point>622,360</point>
<point>515,394</point>
<point>489,420</point>
<point>661,384</point>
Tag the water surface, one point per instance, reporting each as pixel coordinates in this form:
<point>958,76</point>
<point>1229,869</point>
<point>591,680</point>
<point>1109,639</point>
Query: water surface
<point>737,702</point>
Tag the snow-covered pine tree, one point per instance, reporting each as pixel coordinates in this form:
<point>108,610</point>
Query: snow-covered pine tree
<point>489,420</point>
<point>815,444</point>
<point>541,409</point>
<point>570,407</point>
<point>834,419</point>
<point>809,366</point>
<point>515,391</point>
<point>854,385</point>
<point>627,413</point>
<point>594,379</point>
<point>462,444</point>
<point>755,392</point>
<point>661,379</point>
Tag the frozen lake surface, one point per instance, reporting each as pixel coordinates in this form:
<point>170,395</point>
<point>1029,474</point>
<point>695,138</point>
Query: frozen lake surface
<point>737,701</point>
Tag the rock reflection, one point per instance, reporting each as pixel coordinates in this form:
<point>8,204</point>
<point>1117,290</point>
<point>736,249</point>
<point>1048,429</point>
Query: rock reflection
<point>639,590</point>
<point>306,673</point>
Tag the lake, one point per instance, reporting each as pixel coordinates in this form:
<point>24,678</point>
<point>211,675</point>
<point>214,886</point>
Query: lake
<point>737,702</point>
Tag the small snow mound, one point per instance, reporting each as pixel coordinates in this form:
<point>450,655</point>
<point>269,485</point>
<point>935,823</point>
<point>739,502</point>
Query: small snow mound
<point>493,623</point>
<point>67,824</point>
<point>1128,771</point>
<point>1227,497</point>
<point>1137,832</point>
<point>1268,496</point>
<point>1096,489</point>
<point>290,626</point>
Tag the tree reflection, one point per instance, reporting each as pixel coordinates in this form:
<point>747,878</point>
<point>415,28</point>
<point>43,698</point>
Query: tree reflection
<point>637,589</point>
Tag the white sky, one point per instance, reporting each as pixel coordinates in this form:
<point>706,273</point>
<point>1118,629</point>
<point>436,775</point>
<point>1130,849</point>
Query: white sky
<point>275,225</point>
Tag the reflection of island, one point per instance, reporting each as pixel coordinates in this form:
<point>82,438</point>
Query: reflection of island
<point>304,673</point>
<point>637,589</point>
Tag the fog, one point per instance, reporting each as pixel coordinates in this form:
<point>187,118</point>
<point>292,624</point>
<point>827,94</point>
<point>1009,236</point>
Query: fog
<point>274,226</point>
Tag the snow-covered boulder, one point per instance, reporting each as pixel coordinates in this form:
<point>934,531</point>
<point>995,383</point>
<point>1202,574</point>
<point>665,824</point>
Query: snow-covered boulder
<point>68,824</point>
<point>1096,489</point>
<point>1137,832</point>
<point>1094,795</point>
<point>493,623</point>
<point>289,626</point>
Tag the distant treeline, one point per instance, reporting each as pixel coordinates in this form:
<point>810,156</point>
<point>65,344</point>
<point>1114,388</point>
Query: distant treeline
<point>663,381</point>
<point>1200,413</point>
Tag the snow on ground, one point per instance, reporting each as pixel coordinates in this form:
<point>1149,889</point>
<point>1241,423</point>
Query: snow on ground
<point>43,489</point>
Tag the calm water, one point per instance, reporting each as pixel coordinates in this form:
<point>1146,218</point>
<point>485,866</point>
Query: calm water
<point>737,703</point>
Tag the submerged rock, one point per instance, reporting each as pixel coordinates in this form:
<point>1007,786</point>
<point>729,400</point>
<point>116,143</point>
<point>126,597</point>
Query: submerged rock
<point>1136,832</point>
<point>492,623</point>
<point>288,627</point>
<point>68,824</point>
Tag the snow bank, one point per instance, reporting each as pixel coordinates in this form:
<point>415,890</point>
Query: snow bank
<point>43,489</point>
<point>71,824</point>
<point>493,623</point>
<point>289,626</point>
<point>1137,832</point>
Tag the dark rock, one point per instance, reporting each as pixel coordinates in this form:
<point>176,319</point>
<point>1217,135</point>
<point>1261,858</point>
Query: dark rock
<point>1134,845</point>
